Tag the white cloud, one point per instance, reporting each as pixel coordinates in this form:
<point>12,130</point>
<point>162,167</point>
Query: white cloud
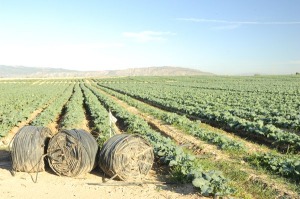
<point>147,36</point>
<point>215,21</point>
<point>240,22</point>
<point>227,27</point>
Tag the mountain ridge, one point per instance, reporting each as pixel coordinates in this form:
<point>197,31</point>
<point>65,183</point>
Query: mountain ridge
<point>35,72</point>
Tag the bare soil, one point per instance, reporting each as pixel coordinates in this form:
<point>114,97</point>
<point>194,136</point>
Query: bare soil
<point>90,185</point>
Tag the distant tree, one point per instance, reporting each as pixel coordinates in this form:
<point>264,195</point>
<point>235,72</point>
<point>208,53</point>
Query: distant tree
<point>297,73</point>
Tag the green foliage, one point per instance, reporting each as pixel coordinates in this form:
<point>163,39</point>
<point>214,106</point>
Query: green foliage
<point>128,92</point>
<point>182,165</point>
<point>19,99</point>
<point>288,165</point>
<point>99,115</point>
<point>211,182</point>
<point>259,106</point>
<point>182,122</point>
<point>264,106</point>
<point>51,113</point>
<point>74,115</point>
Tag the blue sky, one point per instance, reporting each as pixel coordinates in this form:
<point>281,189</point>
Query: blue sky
<point>223,37</point>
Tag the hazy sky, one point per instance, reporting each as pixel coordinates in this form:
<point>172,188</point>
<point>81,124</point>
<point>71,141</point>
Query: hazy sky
<point>223,37</point>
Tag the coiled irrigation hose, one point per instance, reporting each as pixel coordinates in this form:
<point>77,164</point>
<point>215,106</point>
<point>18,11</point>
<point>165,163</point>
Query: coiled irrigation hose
<point>126,157</point>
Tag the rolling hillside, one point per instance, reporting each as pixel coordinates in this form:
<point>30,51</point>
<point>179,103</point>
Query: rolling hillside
<point>32,72</point>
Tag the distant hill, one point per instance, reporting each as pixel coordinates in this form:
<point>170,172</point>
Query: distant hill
<point>22,71</point>
<point>34,72</point>
<point>157,71</point>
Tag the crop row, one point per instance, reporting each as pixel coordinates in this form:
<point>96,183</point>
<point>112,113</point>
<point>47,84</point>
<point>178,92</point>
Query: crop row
<point>277,103</point>
<point>172,100</point>
<point>288,166</point>
<point>184,166</point>
<point>285,85</point>
<point>283,115</point>
<point>74,113</point>
<point>98,114</point>
<point>191,127</point>
<point>52,112</point>
<point>285,165</point>
<point>19,101</point>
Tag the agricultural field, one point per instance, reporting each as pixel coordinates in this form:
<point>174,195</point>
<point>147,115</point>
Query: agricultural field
<point>213,136</point>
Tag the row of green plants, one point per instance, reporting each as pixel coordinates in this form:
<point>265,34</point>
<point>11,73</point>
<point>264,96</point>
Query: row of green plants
<point>290,122</point>
<point>183,165</point>
<point>172,101</point>
<point>273,100</point>
<point>288,85</point>
<point>74,113</point>
<point>191,127</point>
<point>19,101</point>
<point>286,167</point>
<point>52,112</point>
<point>261,97</point>
<point>99,115</point>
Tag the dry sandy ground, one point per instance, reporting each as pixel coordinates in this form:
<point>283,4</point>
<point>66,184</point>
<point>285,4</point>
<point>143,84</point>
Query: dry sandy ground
<point>89,186</point>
